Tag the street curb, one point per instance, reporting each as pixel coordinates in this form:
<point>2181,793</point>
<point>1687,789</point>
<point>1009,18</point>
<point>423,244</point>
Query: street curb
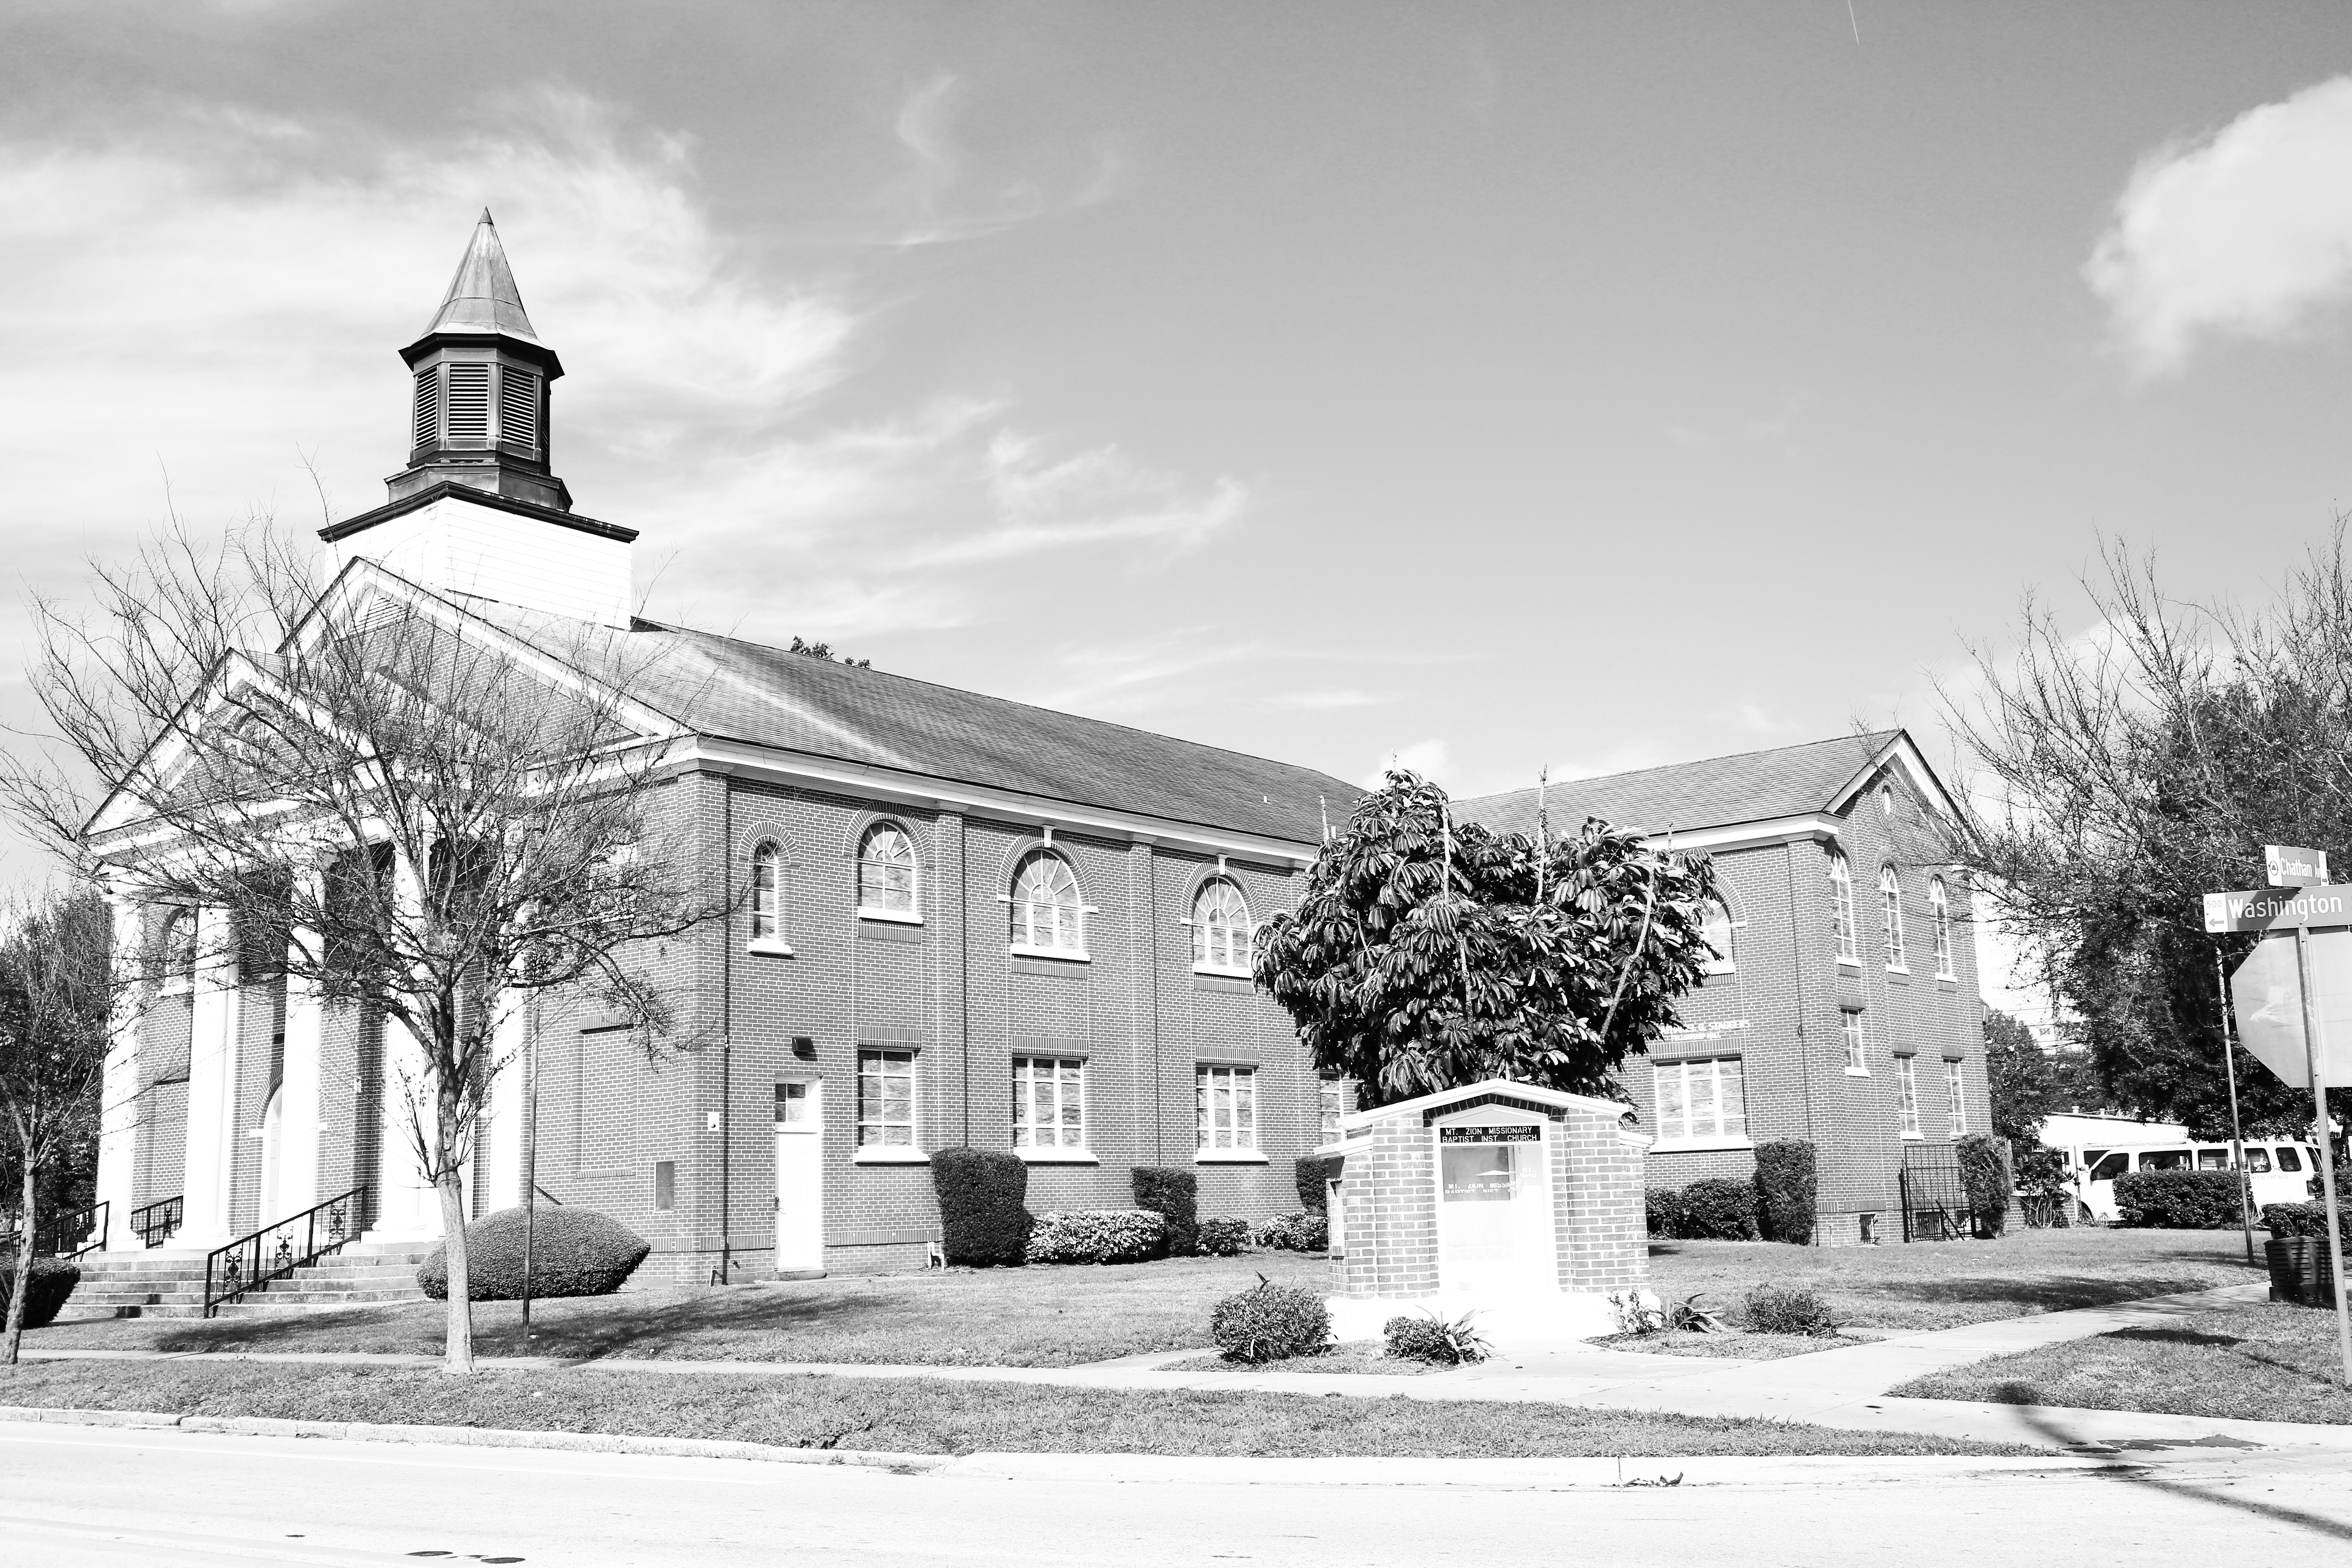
<point>477,1437</point>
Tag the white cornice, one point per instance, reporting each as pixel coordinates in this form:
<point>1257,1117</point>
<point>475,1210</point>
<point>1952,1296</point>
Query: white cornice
<point>908,788</point>
<point>1814,824</point>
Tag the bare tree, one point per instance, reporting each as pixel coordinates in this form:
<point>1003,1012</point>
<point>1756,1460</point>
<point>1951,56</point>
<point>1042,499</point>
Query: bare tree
<point>56,986</point>
<point>424,815</point>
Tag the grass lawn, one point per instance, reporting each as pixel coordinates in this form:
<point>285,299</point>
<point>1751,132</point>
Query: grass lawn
<point>2262,1361</point>
<point>1733,1344</point>
<point>1905,1288</point>
<point>1363,1356</point>
<point>929,1417</point>
<point>1058,1315</point>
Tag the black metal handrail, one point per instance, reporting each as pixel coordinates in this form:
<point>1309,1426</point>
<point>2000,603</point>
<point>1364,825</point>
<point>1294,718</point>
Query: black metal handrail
<point>153,1222</point>
<point>68,1233</point>
<point>277,1250</point>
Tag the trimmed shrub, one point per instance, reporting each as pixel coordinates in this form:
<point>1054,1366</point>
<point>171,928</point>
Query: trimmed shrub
<point>2045,1193</point>
<point>1174,1193</point>
<point>1663,1206</point>
<point>983,1221</point>
<point>1787,1309</point>
<point>1984,1175</point>
<point>2285,1221</point>
<point>2179,1200</point>
<point>1309,1232</point>
<point>1785,1190</point>
<point>1098,1236</point>
<point>52,1280</point>
<point>2343,1185</point>
<point>1269,1322</point>
<point>1717,1209</point>
<point>1436,1340</point>
<point>1312,1176</point>
<point>1223,1238</point>
<point>574,1252</point>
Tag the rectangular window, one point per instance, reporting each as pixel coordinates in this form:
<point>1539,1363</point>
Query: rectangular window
<point>519,408</point>
<point>1330,1103</point>
<point>470,406</point>
<point>793,1106</point>
<point>2212,1159</point>
<point>1227,1101</point>
<point>2258,1162</point>
<point>1858,1056</point>
<point>885,1099</point>
<point>1907,1080</point>
<point>1700,1100</point>
<point>1049,1102</point>
<point>664,1184</point>
<point>2288,1159</point>
<point>1956,1095</point>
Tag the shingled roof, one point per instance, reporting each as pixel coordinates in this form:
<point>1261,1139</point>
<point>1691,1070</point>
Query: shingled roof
<point>1754,786</point>
<point>727,689</point>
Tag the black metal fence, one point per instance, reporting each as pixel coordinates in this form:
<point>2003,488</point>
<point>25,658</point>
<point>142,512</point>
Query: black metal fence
<point>153,1222</point>
<point>1935,1195</point>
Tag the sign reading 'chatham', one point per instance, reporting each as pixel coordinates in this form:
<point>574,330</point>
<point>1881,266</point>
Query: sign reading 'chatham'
<point>2279,909</point>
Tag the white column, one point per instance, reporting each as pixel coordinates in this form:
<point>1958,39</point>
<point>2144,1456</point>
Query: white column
<point>119,1107</point>
<point>406,1209</point>
<point>212,1131</point>
<point>298,1108</point>
<point>508,1105</point>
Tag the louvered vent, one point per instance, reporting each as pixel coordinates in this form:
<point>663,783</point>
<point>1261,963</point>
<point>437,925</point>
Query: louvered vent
<point>470,406</point>
<point>519,408</point>
<point>428,406</point>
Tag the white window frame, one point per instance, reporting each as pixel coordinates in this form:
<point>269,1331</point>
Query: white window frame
<point>912,914</point>
<point>1330,1105</point>
<point>1059,1089</point>
<point>173,977</point>
<point>1857,1037</point>
<point>1022,926</point>
<point>1939,908</point>
<point>768,923</point>
<point>1683,1131</point>
<point>1890,916</point>
<point>1955,1092</point>
<point>1241,934</point>
<point>1906,1095</point>
<point>1716,914</point>
<point>1241,1120</point>
<point>1842,907</point>
<point>876,1146</point>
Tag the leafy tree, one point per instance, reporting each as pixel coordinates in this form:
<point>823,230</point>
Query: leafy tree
<point>2022,1081</point>
<point>2136,768</point>
<point>1426,953</point>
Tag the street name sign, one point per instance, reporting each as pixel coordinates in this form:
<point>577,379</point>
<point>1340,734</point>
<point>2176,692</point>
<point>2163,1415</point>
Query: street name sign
<point>2279,909</point>
<point>2290,865</point>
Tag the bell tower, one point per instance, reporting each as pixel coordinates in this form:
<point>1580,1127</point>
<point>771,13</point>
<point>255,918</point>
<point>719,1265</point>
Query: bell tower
<point>478,512</point>
<point>479,413</point>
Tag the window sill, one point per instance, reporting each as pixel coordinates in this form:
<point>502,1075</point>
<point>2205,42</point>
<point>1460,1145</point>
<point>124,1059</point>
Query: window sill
<point>1853,963</point>
<point>768,946</point>
<point>1056,1157</point>
<point>1221,970</point>
<point>889,1154</point>
<point>1229,1157</point>
<point>1948,979</point>
<point>1902,969</point>
<point>1857,1072</point>
<point>1699,1145</point>
<point>1913,1137</point>
<point>1065,955</point>
<point>893,917</point>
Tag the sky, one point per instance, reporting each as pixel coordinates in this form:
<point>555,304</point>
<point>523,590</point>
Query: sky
<point>1487,387</point>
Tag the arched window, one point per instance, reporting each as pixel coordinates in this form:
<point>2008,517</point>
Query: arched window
<point>1715,924</point>
<point>1221,928</point>
<point>768,895</point>
<point>1890,902</point>
<point>886,872</point>
<point>1045,912</point>
<point>177,950</point>
<point>1841,904</point>
<point>1886,800</point>
<point>1940,906</point>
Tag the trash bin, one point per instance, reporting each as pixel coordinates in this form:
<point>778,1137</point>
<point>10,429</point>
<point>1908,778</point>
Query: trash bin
<point>2302,1270</point>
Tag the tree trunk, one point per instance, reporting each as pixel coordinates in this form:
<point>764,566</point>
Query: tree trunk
<point>23,1283</point>
<point>457,1355</point>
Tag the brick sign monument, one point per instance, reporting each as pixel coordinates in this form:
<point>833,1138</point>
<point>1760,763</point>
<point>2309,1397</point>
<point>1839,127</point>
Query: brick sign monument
<point>1520,1203</point>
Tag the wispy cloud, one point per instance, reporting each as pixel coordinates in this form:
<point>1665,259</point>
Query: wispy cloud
<point>2244,232</point>
<point>1326,700</point>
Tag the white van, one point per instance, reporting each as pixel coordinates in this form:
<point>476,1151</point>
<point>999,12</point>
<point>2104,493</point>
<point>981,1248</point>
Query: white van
<point>2280,1172</point>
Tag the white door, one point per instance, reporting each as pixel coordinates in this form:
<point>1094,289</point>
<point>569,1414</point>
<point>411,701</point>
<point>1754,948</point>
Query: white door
<point>799,1178</point>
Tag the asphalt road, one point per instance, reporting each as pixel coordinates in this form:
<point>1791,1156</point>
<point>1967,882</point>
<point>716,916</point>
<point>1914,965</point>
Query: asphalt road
<point>71,1496</point>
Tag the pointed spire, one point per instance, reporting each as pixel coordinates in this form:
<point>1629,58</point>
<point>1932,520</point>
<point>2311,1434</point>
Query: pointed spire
<point>482,297</point>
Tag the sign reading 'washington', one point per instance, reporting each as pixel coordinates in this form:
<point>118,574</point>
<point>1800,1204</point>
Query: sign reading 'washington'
<point>2279,909</point>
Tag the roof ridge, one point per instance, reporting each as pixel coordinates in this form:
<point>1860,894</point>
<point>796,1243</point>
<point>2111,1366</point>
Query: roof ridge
<point>991,697</point>
<point>1875,737</point>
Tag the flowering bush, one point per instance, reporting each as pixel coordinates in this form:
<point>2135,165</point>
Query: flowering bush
<point>1305,1232</point>
<point>1098,1236</point>
<point>1221,1238</point>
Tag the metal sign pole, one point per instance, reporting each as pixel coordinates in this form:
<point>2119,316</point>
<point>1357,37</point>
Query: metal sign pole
<point>2311,1046</point>
<point>2237,1137</point>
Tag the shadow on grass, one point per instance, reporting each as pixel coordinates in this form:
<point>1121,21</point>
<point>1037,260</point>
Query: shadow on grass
<point>2054,1293</point>
<point>2174,1336</point>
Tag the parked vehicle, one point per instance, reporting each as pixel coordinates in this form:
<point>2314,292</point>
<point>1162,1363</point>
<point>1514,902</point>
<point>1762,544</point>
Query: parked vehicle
<point>2279,1170</point>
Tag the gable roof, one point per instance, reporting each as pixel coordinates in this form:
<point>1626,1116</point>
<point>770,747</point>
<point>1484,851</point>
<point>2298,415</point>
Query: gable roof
<point>1718,792</point>
<point>726,688</point>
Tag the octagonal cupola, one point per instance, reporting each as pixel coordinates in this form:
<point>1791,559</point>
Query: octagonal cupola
<point>479,409</point>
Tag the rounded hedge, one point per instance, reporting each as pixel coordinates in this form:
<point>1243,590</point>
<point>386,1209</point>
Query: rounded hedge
<point>2179,1200</point>
<point>1173,1193</point>
<point>983,1216</point>
<point>1269,1322</point>
<point>1717,1209</point>
<point>1785,1188</point>
<point>1098,1236</point>
<point>1304,1232</point>
<point>52,1279</point>
<point>1221,1238</point>
<point>574,1252</point>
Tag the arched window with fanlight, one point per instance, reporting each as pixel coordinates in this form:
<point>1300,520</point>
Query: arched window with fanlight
<point>888,875</point>
<point>1890,904</point>
<point>1221,928</point>
<point>1046,914</point>
<point>1715,924</point>
<point>1939,909</point>
<point>768,898</point>
<point>1841,905</point>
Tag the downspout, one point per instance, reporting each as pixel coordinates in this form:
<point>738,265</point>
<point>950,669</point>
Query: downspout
<point>723,1274</point>
<point>1804,1050</point>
